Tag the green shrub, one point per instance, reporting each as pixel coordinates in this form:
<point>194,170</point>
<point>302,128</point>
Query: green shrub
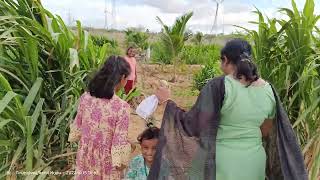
<point>101,40</point>
<point>111,46</point>
<point>130,96</point>
<point>209,71</point>
<point>159,55</point>
<point>200,54</point>
<point>191,54</point>
<point>136,39</point>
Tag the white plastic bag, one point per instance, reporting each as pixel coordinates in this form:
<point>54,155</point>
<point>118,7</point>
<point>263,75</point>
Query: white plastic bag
<point>147,107</point>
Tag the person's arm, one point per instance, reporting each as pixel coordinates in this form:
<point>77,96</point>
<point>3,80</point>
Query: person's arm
<point>196,120</point>
<point>268,123</point>
<point>163,95</point>
<point>266,127</point>
<point>136,75</point>
<point>136,79</point>
<point>120,150</point>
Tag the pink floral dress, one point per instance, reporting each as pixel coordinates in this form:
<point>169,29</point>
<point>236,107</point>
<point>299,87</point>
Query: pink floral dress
<point>101,125</point>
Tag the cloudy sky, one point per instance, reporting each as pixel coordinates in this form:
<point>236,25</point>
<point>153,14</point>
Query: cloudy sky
<point>142,13</point>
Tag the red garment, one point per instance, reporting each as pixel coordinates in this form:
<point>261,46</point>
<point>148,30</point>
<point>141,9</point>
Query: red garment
<point>129,86</point>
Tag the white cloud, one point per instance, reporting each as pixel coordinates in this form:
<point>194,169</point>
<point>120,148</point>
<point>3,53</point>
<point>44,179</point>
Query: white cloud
<point>141,15</point>
<point>137,13</point>
<point>168,6</point>
<point>237,7</point>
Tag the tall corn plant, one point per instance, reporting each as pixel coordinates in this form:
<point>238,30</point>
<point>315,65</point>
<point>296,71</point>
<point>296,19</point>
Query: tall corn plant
<point>289,58</point>
<point>298,39</point>
<point>47,49</point>
<point>18,121</point>
<point>173,38</point>
<point>33,44</point>
<point>50,48</point>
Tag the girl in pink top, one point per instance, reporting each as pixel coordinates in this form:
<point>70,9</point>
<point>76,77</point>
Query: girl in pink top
<point>132,78</point>
<point>101,124</point>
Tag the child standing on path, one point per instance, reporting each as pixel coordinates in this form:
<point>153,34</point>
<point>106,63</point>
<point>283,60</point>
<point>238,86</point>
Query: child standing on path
<point>132,78</point>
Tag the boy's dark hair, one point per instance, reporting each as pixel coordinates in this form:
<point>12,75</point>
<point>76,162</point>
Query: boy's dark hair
<point>150,133</point>
<point>103,83</point>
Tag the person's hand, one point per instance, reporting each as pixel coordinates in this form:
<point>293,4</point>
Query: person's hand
<point>120,168</point>
<point>163,94</point>
<point>133,147</point>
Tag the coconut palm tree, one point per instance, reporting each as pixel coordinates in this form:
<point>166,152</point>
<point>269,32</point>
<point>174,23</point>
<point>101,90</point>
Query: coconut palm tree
<point>173,38</point>
<point>136,38</point>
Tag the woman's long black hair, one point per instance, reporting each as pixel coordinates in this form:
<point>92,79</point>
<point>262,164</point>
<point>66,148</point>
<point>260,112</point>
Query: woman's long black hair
<point>104,82</point>
<point>239,53</point>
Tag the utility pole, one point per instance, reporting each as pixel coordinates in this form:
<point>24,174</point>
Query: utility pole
<point>215,23</point>
<point>105,15</point>
<point>69,18</point>
<point>114,14</point>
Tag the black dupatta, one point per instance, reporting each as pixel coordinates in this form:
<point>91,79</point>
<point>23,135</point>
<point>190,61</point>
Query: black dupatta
<point>186,149</point>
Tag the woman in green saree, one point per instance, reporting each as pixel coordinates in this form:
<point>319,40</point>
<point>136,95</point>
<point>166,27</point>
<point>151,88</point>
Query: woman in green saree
<point>221,137</point>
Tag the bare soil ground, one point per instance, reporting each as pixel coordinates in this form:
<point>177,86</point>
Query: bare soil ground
<point>148,81</point>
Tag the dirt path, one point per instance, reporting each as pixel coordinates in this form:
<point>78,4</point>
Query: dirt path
<point>148,79</point>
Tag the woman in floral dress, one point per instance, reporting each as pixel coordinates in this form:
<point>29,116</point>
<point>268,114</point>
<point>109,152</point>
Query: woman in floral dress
<point>101,124</point>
